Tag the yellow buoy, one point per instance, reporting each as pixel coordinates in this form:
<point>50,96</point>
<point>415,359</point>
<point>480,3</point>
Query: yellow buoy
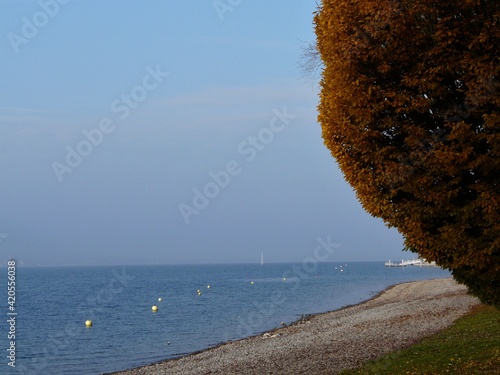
<point>88,323</point>
<point>154,308</point>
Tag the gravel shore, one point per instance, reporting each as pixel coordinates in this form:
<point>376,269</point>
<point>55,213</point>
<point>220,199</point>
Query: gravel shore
<point>331,342</point>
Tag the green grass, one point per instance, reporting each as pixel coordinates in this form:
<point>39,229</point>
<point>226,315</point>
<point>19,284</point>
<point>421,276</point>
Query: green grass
<point>470,346</point>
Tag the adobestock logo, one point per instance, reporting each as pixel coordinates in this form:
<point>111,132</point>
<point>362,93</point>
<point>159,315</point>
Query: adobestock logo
<point>220,180</point>
<point>223,6</point>
<point>122,107</point>
<point>31,27</point>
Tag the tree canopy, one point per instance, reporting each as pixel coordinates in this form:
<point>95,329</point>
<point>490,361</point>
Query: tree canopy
<point>409,108</point>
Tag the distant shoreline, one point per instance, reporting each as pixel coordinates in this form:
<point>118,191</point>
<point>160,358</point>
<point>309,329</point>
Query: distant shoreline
<point>182,264</point>
<point>330,342</point>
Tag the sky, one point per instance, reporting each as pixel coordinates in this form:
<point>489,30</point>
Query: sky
<point>168,132</point>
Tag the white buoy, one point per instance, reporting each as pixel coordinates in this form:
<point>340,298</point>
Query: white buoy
<point>251,282</point>
<point>88,323</point>
<point>154,308</point>
<point>160,299</point>
<point>209,286</point>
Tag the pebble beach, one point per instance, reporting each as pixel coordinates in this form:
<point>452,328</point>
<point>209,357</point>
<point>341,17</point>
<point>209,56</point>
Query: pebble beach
<point>334,341</point>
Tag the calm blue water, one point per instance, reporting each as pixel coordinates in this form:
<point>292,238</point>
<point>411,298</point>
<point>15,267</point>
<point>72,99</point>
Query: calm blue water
<point>54,303</point>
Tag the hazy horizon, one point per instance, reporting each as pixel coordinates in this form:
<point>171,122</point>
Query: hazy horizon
<point>168,133</point>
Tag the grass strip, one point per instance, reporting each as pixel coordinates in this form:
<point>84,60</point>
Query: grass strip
<point>470,346</point>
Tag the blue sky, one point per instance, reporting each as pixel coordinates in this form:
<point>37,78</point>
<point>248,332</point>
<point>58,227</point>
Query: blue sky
<point>142,132</point>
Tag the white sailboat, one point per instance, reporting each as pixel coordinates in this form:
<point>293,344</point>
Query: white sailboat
<point>261,259</point>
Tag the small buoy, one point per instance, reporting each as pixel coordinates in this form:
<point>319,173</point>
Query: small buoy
<point>154,308</point>
<point>160,299</point>
<point>283,324</point>
<point>168,342</point>
<point>284,279</point>
<point>199,292</point>
<point>251,282</point>
<point>88,323</point>
<point>208,286</point>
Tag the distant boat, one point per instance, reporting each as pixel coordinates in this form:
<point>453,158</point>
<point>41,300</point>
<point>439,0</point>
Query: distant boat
<point>414,262</point>
<point>261,259</point>
<point>393,264</point>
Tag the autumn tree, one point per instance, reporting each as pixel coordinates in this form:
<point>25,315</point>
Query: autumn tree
<point>409,108</point>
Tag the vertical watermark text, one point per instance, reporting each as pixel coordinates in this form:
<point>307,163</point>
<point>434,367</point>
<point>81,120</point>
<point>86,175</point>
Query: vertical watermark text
<point>12,313</point>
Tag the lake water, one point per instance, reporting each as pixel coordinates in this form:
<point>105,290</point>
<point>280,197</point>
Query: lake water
<point>52,305</point>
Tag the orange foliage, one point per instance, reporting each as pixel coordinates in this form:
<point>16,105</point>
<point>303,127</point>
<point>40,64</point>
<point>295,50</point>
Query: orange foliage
<point>409,108</point>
